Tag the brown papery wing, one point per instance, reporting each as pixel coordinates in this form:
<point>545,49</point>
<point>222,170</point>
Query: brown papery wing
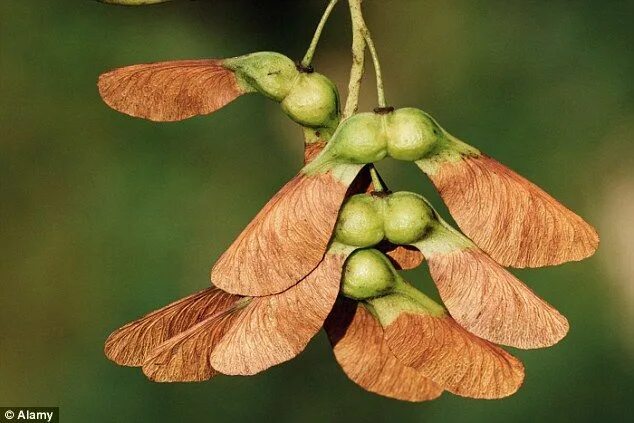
<point>169,91</point>
<point>452,357</point>
<point>357,341</point>
<point>130,345</point>
<point>490,302</point>
<point>276,328</point>
<point>185,357</point>
<point>286,240</point>
<point>510,218</point>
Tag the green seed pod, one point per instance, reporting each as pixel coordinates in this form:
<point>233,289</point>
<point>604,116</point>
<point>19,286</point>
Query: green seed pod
<point>412,133</point>
<point>313,101</point>
<point>359,223</point>
<point>407,217</point>
<point>361,139</point>
<point>367,274</point>
<point>270,73</point>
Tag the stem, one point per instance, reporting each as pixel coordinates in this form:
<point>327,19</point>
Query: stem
<point>308,57</point>
<point>361,37</point>
<point>377,66</point>
<point>377,182</point>
<point>358,59</point>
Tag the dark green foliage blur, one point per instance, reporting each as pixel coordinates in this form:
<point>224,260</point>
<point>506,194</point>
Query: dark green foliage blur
<point>104,217</point>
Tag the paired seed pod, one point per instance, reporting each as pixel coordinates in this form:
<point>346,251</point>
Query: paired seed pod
<point>481,295</point>
<point>405,134</point>
<point>401,218</point>
<point>176,90</point>
<point>493,205</point>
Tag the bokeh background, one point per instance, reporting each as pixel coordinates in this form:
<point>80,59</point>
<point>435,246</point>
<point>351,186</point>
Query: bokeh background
<point>105,217</point>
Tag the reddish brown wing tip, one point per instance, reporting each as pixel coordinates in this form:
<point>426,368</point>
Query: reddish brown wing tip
<point>285,241</point>
<point>510,218</point>
<point>403,257</point>
<point>276,328</point>
<point>185,357</point>
<point>452,357</point>
<point>493,304</point>
<point>169,91</point>
<point>129,345</point>
<point>357,341</point>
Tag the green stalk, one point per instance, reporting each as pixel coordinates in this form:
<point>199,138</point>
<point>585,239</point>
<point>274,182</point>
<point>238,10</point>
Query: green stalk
<point>377,182</point>
<point>308,57</point>
<point>361,37</point>
<point>364,31</point>
<point>377,66</point>
<point>358,59</point>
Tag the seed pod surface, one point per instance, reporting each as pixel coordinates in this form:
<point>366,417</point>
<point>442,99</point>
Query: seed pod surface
<point>360,139</point>
<point>359,223</point>
<point>407,217</point>
<point>412,133</point>
<point>272,74</point>
<point>367,274</point>
<point>313,101</point>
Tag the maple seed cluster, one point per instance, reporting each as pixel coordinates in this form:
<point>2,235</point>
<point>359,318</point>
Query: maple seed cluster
<point>325,251</point>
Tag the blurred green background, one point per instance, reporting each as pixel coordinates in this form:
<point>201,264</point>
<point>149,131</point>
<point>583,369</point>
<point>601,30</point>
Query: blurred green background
<point>104,217</point>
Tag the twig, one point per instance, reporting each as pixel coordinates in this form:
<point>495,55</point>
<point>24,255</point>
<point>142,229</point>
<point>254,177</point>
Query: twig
<point>358,59</point>
<point>377,66</point>
<point>308,57</point>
